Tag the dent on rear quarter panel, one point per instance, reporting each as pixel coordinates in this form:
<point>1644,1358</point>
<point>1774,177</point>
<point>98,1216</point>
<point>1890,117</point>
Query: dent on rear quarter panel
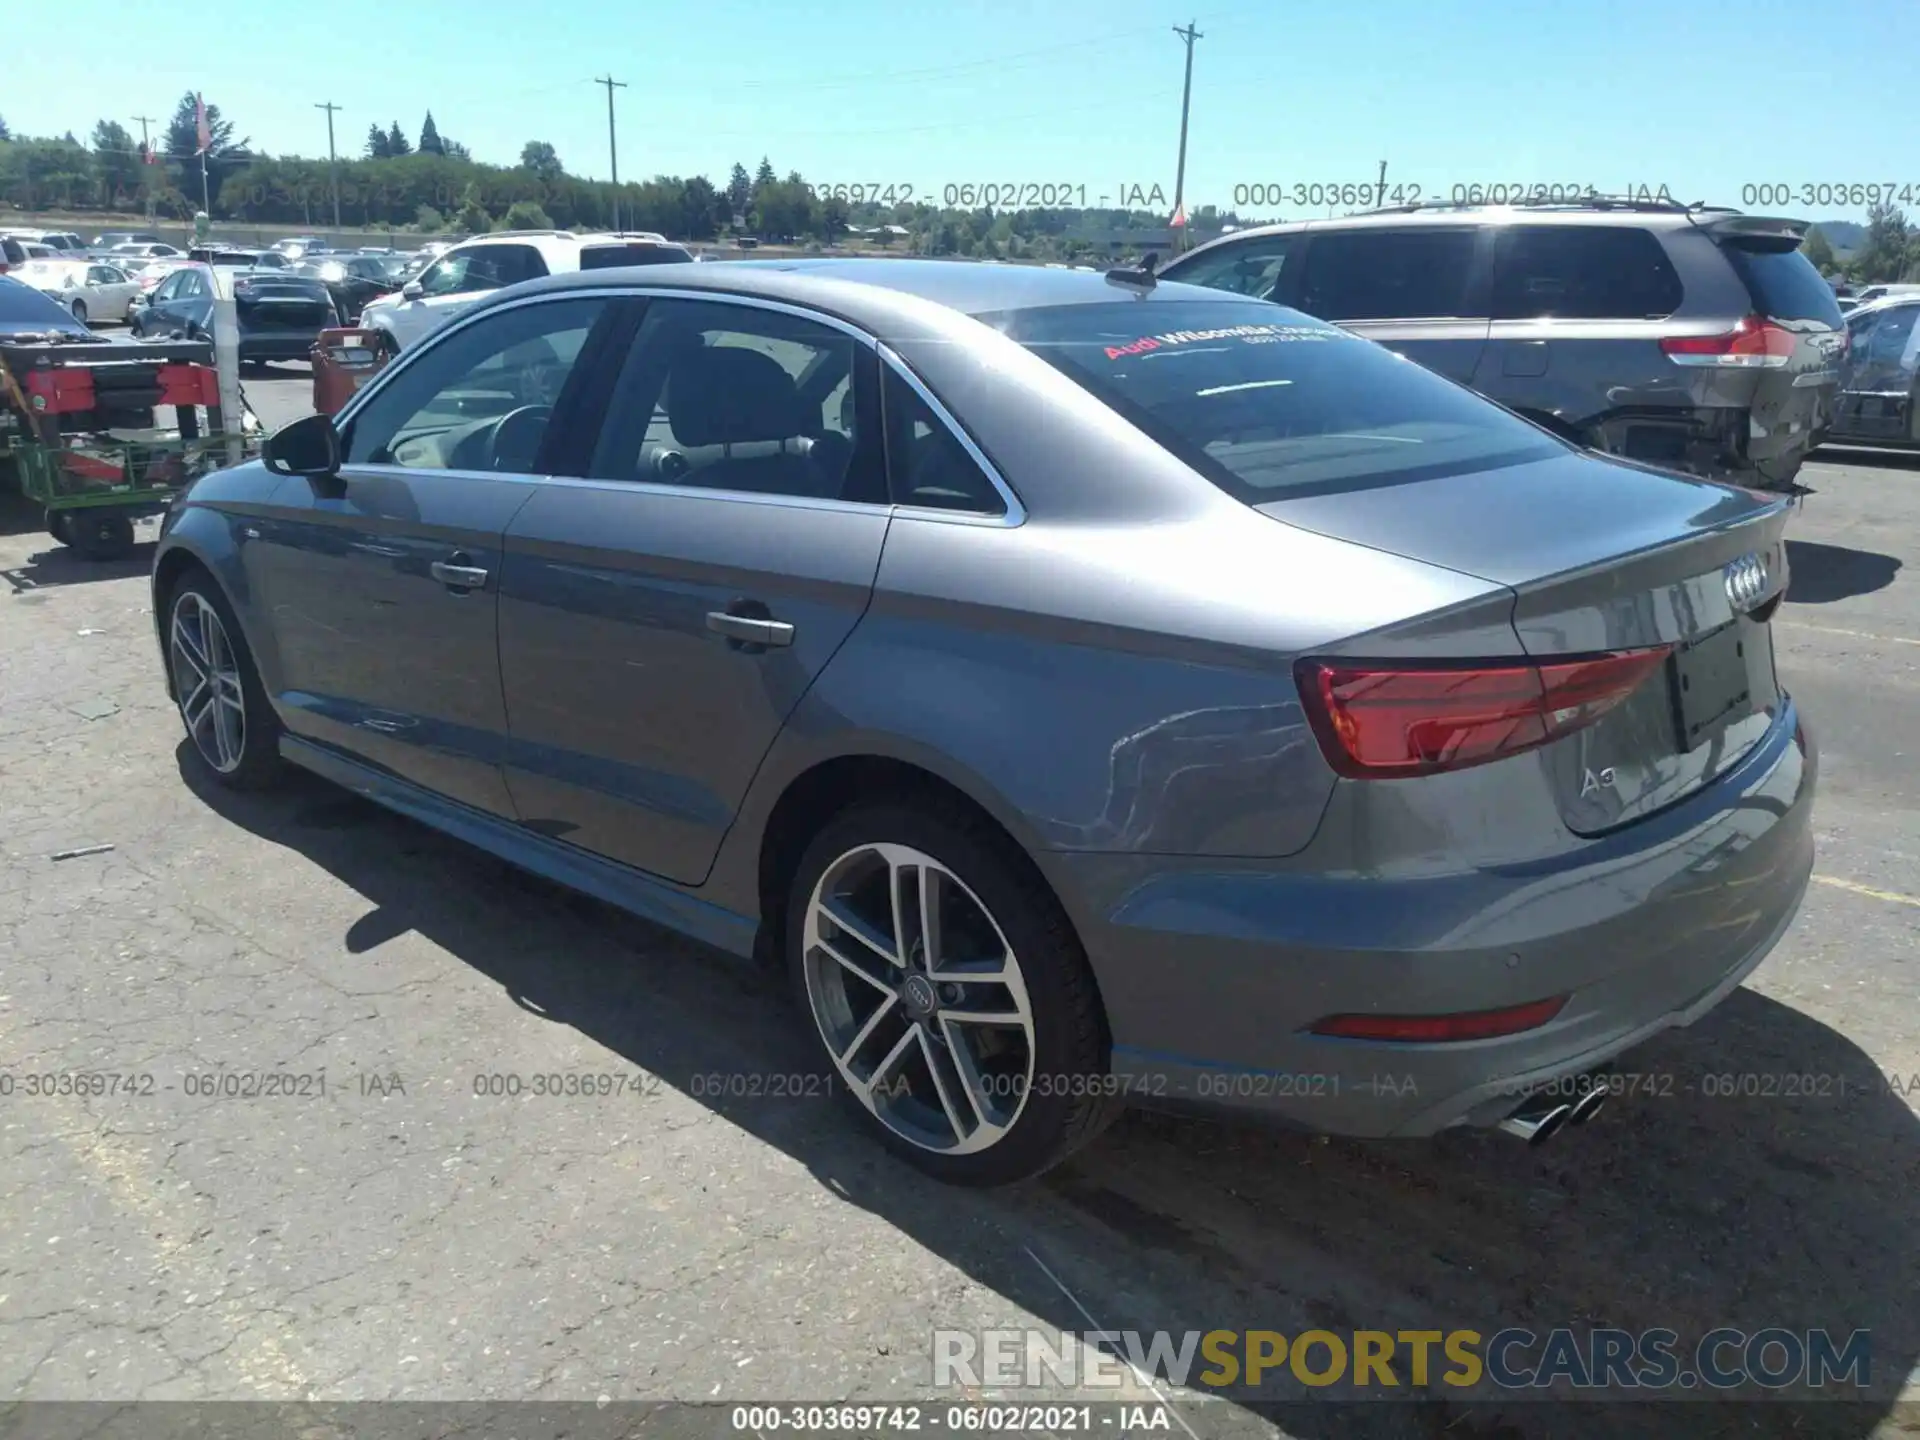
<point>1124,689</point>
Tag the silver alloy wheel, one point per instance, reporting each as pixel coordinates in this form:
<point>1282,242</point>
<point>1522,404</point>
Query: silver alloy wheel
<point>206,678</point>
<point>919,998</point>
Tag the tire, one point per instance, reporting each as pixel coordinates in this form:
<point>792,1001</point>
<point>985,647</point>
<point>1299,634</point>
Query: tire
<point>242,758</point>
<point>60,525</point>
<point>1041,1085</point>
<point>79,308</point>
<point>100,534</point>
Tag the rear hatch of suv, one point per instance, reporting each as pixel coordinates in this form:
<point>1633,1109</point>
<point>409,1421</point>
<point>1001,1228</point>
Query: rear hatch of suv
<point>268,302</point>
<point>1792,342</point>
<point>1676,577</point>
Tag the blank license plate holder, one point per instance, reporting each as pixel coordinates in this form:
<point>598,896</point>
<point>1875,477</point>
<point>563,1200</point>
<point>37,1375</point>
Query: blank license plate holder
<point>1712,686</point>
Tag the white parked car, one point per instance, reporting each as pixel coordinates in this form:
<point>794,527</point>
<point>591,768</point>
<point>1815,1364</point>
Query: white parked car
<point>488,262</point>
<point>140,250</point>
<point>92,289</point>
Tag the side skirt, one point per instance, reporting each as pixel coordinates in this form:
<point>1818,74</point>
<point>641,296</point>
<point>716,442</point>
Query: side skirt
<point>642,895</point>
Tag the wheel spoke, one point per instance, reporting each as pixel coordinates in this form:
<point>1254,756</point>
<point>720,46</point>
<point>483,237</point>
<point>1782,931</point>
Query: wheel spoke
<point>847,962</point>
<point>931,1052</point>
<point>188,647</point>
<point>902,942</point>
<point>984,1017</point>
<point>891,1059</point>
<point>971,1084</point>
<point>930,915</point>
<point>880,1012</point>
<point>852,926</point>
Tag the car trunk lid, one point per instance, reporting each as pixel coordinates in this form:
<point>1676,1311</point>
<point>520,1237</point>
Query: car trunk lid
<point>290,304</point>
<point>1601,557</point>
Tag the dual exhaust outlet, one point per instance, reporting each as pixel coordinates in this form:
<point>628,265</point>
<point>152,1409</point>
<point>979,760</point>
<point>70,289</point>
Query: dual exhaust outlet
<point>1545,1114</point>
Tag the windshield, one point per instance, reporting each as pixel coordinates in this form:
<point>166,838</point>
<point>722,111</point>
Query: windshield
<point>1267,402</point>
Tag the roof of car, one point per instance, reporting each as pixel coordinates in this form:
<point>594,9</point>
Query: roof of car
<point>1641,216</point>
<point>861,289</point>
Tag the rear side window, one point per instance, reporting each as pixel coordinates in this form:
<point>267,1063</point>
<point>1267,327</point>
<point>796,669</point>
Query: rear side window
<point>1251,267</point>
<point>607,257</point>
<point>926,463</point>
<point>1571,272</point>
<point>1784,284</point>
<point>1388,274</point>
<point>1267,403</point>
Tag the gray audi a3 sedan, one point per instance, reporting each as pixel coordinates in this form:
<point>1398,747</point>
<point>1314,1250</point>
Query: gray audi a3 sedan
<point>1092,690</point>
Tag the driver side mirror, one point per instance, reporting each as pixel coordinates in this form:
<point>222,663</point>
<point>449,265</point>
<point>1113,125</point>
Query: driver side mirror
<point>310,446</point>
<point>412,290</point>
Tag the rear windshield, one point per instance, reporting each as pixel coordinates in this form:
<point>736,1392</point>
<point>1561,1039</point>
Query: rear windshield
<point>607,257</point>
<point>1268,403</point>
<point>24,310</point>
<point>1784,284</point>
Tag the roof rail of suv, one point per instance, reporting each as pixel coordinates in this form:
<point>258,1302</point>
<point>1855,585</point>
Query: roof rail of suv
<point>509,234</point>
<point>1586,202</point>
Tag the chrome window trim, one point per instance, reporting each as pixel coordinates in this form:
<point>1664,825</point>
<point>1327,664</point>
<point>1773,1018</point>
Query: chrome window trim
<point>1016,513</point>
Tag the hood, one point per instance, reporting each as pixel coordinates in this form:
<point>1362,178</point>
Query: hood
<point>1514,523</point>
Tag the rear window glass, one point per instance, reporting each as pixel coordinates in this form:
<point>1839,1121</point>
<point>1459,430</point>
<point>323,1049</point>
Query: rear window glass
<point>1784,284</point>
<point>1573,272</point>
<point>24,308</point>
<point>608,257</point>
<point>1388,274</point>
<point>1268,403</point>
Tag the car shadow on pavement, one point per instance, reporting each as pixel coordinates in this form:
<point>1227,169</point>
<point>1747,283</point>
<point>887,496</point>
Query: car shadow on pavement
<point>1762,1174</point>
<point>58,565</point>
<point>1820,574</point>
<point>1878,459</point>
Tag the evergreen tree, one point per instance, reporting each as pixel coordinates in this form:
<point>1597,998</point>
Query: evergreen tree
<point>739,190</point>
<point>430,142</point>
<point>377,146</point>
<point>397,142</point>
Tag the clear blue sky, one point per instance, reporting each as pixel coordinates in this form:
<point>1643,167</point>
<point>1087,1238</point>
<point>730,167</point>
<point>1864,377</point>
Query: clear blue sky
<point>1703,97</point>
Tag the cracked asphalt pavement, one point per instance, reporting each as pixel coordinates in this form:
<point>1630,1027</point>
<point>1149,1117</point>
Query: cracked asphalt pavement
<point>380,1230</point>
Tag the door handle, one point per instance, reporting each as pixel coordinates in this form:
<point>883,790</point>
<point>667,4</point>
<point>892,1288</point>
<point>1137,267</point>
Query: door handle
<point>760,630</point>
<point>455,574</point>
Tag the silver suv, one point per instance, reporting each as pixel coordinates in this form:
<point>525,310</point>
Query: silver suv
<point>1691,338</point>
<point>473,268</point>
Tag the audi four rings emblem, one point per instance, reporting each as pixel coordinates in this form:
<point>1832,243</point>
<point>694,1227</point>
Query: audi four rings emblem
<point>1746,580</point>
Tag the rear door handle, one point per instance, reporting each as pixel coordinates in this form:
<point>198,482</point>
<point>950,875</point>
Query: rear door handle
<point>456,576</point>
<point>750,629</point>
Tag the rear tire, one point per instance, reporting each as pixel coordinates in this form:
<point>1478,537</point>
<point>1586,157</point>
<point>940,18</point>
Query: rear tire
<point>100,534</point>
<point>231,726</point>
<point>968,1101</point>
<point>79,308</point>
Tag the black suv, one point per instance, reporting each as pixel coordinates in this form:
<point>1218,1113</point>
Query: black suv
<point>1691,338</point>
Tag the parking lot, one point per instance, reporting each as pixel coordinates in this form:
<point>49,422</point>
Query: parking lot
<point>391,1233</point>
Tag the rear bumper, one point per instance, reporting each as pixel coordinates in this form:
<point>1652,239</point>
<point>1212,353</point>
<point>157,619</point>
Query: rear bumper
<point>1716,442</point>
<point>278,347</point>
<point>1212,975</point>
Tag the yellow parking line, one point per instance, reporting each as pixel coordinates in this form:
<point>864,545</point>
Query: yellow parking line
<point>1892,896</point>
<point>1850,634</point>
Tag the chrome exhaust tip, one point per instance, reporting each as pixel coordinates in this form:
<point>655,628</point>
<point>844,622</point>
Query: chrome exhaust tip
<point>1588,1105</point>
<point>1537,1121</point>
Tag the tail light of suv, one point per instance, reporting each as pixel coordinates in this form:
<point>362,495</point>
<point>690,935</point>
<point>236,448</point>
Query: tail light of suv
<point>1756,343</point>
<point>1392,721</point>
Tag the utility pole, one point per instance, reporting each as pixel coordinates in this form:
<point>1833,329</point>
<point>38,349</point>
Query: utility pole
<point>613,146</point>
<point>1380,199</point>
<point>1189,35</point>
<point>333,175</point>
<point>146,160</point>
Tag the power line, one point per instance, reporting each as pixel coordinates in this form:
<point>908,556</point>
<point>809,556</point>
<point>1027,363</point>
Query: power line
<point>333,174</point>
<point>613,146</point>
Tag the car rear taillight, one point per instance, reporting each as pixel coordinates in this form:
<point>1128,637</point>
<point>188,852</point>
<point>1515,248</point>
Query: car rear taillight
<point>1430,1029</point>
<point>1394,720</point>
<point>1756,343</point>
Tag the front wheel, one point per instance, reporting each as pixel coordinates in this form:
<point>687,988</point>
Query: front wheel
<point>950,993</point>
<point>80,311</point>
<point>234,732</point>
